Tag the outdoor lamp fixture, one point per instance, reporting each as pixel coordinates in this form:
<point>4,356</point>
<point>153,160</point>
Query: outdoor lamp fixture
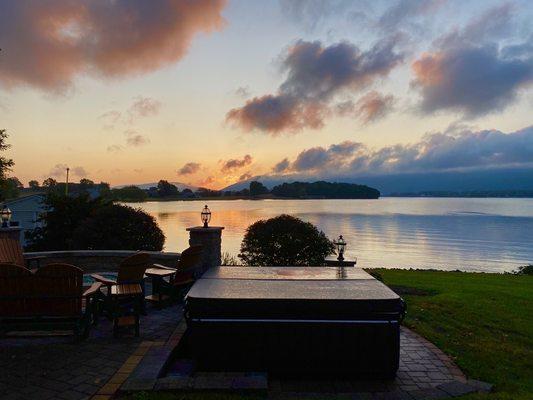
<point>6,216</point>
<point>341,246</point>
<point>206,216</point>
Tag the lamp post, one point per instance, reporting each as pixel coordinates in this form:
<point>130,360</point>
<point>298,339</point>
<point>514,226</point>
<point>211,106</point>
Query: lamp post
<point>340,243</point>
<point>206,216</point>
<point>5,214</point>
<point>66,182</point>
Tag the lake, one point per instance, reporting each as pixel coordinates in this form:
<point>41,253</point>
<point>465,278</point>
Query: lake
<point>491,235</point>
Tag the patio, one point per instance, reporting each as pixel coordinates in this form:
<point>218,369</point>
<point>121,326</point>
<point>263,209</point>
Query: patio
<point>54,367</point>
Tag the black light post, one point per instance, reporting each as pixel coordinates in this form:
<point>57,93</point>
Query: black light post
<point>341,246</point>
<point>206,216</point>
<point>5,214</point>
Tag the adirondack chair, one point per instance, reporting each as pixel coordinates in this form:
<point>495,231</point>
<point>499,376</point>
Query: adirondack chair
<point>11,252</point>
<point>187,272</point>
<point>52,298</point>
<point>125,295</point>
<point>130,270</point>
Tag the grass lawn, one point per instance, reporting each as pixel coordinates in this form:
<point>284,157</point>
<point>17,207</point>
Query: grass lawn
<point>484,321</point>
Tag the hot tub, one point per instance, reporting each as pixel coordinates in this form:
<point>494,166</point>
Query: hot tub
<point>294,320</point>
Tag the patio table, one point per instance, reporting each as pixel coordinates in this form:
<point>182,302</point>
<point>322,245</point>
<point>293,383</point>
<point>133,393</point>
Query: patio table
<point>158,275</point>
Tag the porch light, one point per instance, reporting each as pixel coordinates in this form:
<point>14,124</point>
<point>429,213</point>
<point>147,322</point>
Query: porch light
<point>340,243</point>
<point>206,216</point>
<point>5,214</point>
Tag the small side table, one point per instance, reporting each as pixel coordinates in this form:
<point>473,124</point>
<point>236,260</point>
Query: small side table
<point>333,262</point>
<point>158,275</point>
<point>127,301</point>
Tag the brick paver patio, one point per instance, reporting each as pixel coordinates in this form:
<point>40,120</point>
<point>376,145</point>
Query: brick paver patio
<point>57,368</point>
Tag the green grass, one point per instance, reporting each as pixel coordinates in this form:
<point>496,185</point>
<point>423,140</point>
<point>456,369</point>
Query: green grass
<point>483,321</point>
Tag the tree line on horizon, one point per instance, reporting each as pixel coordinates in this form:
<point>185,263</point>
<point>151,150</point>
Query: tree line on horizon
<point>294,190</point>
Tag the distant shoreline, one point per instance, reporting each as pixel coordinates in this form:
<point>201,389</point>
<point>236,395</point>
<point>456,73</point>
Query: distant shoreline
<point>227,198</point>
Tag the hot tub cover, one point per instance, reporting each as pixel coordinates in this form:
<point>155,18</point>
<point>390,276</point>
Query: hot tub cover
<point>291,292</point>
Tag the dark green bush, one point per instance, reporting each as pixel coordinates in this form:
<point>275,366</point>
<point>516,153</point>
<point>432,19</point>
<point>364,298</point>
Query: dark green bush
<point>79,223</point>
<point>524,270</point>
<point>119,227</point>
<point>284,240</point>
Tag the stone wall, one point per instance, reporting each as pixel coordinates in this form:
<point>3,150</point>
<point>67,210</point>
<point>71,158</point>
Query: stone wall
<point>100,260</point>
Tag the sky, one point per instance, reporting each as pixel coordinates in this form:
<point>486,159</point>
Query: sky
<point>210,93</point>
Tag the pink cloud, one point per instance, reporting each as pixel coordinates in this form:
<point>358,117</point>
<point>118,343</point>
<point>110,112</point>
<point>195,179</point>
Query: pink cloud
<point>369,108</point>
<point>46,44</point>
<point>235,164</point>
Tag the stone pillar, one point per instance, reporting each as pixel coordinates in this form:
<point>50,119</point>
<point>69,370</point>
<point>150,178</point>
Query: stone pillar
<point>211,239</point>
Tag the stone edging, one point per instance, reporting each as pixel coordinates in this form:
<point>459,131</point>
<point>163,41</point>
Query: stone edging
<point>98,253</point>
<point>100,261</point>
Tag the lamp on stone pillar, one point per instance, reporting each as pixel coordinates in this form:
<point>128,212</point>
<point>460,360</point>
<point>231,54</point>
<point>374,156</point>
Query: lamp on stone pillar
<point>210,238</point>
<point>340,246</point>
<point>340,243</point>
<point>7,228</point>
<point>5,214</point>
<point>206,216</point>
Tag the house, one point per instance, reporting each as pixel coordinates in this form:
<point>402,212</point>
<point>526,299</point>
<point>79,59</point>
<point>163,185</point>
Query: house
<point>26,211</point>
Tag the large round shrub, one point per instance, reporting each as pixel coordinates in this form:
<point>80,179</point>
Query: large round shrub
<point>82,223</point>
<point>284,240</point>
<point>119,227</point>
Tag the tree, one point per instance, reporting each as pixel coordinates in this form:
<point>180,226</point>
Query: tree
<point>284,241</point>
<point>79,223</point>
<point>165,189</point>
<point>86,183</point>
<point>129,193</point>
<point>33,184</point>
<point>49,183</point>
<point>11,188</point>
<point>6,164</point>
<point>62,216</point>
<point>257,189</point>
<point>119,227</point>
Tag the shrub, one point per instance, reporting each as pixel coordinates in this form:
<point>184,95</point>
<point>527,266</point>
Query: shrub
<point>524,270</point>
<point>119,227</point>
<point>284,240</point>
<point>79,223</point>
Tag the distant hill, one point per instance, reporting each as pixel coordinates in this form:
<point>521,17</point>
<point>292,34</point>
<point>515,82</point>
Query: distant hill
<point>179,185</point>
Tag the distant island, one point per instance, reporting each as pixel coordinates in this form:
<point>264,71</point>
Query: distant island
<point>324,190</point>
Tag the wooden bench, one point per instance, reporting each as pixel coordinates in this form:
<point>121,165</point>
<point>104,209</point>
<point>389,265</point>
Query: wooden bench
<point>51,298</point>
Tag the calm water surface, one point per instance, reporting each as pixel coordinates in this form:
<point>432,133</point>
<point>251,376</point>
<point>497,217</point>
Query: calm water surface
<point>493,235</point>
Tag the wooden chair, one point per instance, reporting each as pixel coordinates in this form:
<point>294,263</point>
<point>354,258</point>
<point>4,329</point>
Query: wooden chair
<point>52,298</point>
<point>122,297</point>
<point>187,271</point>
<point>11,252</point>
<point>130,270</point>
